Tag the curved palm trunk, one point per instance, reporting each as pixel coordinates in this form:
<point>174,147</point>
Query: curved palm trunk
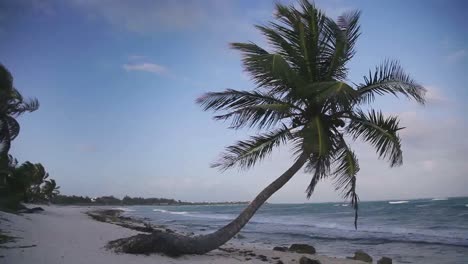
<point>175,244</point>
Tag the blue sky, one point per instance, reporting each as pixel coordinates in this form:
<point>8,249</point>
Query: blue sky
<point>117,81</point>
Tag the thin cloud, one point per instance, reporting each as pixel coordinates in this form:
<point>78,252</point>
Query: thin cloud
<point>456,56</point>
<point>435,97</point>
<point>136,57</point>
<point>87,148</point>
<point>145,16</point>
<point>146,67</point>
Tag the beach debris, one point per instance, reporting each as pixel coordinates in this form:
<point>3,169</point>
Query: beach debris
<point>262,257</point>
<point>362,256</point>
<point>229,250</point>
<point>302,248</point>
<point>282,249</point>
<point>30,210</point>
<point>240,236</point>
<point>114,216</point>
<point>306,260</point>
<point>385,260</point>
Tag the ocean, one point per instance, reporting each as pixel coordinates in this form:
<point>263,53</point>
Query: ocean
<point>412,231</point>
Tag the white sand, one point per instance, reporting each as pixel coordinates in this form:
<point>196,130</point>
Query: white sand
<point>66,235</point>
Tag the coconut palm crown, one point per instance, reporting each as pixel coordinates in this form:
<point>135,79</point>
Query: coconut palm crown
<point>12,105</point>
<point>304,99</point>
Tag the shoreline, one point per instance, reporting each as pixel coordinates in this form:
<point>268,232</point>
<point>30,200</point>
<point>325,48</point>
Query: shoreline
<point>67,234</point>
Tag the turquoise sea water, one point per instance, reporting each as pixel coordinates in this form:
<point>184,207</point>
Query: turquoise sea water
<point>413,231</point>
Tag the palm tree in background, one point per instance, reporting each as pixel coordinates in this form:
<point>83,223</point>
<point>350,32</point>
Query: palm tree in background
<point>37,177</point>
<point>12,105</point>
<point>30,182</point>
<point>304,100</point>
<point>50,189</point>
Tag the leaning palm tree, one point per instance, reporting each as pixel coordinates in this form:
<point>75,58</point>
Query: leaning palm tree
<point>303,99</point>
<point>12,105</point>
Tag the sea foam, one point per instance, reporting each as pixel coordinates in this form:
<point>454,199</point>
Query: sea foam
<point>398,202</point>
<point>124,209</point>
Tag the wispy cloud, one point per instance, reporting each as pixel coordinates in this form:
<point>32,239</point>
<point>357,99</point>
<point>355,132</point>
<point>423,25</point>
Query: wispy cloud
<point>435,97</point>
<point>456,56</point>
<point>145,16</point>
<point>146,67</point>
<point>136,57</point>
<point>87,148</point>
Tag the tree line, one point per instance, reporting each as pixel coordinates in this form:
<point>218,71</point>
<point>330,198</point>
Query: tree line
<point>27,182</point>
<point>127,200</point>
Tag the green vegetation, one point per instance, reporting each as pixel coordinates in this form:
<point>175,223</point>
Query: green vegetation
<point>5,238</point>
<point>18,183</point>
<point>303,99</point>
<point>127,200</point>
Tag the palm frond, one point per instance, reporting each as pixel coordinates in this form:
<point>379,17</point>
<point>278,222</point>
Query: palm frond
<point>319,166</point>
<point>269,71</point>
<point>247,108</point>
<point>335,96</point>
<point>390,78</point>
<point>282,39</point>
<point>345,32</point>
<point>262,116</point>
<point>30,105</point>
<point>346,169</point>
<point>380,132</point>
<point>300,33</point>
<point>245,154</point>
<point>13,127</point>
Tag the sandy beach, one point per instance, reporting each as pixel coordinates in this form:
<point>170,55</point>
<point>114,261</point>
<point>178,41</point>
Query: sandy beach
<point>68,235</point>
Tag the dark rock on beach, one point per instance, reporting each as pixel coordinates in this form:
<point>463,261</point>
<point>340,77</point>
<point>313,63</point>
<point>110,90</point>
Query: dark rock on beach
<point>305,260</point>
<point>282,249</point>
<point>385,260</point>
<point>362,256</point>
<point>302,248</point>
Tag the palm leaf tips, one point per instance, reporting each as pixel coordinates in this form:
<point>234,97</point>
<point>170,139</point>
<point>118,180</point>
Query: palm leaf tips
<point>390,78</point>
<point>379,131</point>
<point>247,153</point>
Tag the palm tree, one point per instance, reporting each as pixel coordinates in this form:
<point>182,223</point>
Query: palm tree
<point>28,180</point>
<point>303,99</point>
<point>12,105</point>
<point>50,190</point>
<point>37,176</point>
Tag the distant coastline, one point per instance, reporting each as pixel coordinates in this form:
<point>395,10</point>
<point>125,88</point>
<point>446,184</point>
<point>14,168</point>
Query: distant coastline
<point>127,200</point>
